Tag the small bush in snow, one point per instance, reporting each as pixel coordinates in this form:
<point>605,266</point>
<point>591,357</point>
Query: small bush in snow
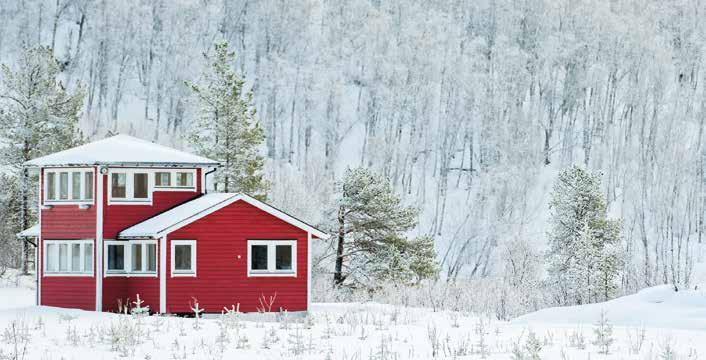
<point>17,335</point>
<point>577,340</point>
<point>603,334</point>
<point>197,313</point>
<point>636,338</point>
<point>667,350</point>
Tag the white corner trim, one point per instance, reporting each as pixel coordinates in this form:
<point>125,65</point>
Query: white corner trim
<point>163,274</point>
<point>38,252</point>
<point>98,248</point>
<point>271,248</point>
<point>183,273</point>
<point>308,271</point>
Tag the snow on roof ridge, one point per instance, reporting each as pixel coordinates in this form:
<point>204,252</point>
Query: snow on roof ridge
<point>202,206</point>
<point>116,150</point>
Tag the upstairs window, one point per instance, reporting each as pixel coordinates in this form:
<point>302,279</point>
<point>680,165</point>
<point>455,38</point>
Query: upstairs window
<point>68,257</point>
<point>140,186</point>
<point>130,186</point>
<point>118,185</point>
<point>272,258</point>
<point>68,186</point>
<point>162,179</point>
<point>185,179</point>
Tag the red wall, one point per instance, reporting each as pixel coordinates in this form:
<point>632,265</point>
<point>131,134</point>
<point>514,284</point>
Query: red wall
<point>119,217</point>
<point>221,277</point>
<point>67,222</point>
<point>70,222</point>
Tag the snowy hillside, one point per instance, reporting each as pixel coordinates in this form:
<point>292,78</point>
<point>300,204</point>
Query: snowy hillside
<point>461,104</point>
<point>355,331</point>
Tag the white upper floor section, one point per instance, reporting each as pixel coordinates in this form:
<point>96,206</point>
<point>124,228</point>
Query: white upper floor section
<point>121,150</point>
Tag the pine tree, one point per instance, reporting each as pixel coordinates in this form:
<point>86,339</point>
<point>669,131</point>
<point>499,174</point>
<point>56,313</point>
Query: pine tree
<point>585,255</point>
<point>227,129</point>
<point>371,224</point>
<point>603,333</point>
<point>38,116</point>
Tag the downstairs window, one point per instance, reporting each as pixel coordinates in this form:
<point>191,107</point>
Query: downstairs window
<point>68,257</point>
<point>131,258</point>
<point>272,258</point>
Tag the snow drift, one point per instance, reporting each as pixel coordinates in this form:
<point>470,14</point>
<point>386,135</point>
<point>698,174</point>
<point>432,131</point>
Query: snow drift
<point>658,306</point>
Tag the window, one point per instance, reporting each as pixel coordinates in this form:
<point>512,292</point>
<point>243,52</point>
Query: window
<point>63,186</point>
<point>118,185</point>
<point>75,186</point>
<point>183,258</point>
<point>272,258</point>
<point>68,257</point>
<point>162,179</point>
<point>69,186</point>
<point>184,179</point>
<point>116,257</point>
<point>130,186</point>
<point>131,258</point>
<point>140,186</point>
<point>88,185</point>
<point>51,186</point>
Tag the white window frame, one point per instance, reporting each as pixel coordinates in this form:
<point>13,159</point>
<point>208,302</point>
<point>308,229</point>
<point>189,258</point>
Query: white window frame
<point>183,273</point>
<point>151,187</point>
<point>271,259</point>
<point>82,259</point>
<point>57,186</point>
<point>173,180</point>
<point>129,198</point>
<point>127,260</point>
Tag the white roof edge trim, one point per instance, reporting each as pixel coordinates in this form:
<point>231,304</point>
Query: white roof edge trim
<point>32,231</point>
<point>236,197</point>
<point>127,164</point>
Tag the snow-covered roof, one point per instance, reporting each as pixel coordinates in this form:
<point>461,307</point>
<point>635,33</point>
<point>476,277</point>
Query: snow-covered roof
<point>206,204</point>
<point>121,150</point>
<point>30,232</point>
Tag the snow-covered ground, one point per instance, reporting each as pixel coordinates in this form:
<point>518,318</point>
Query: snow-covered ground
<point>648,325</point>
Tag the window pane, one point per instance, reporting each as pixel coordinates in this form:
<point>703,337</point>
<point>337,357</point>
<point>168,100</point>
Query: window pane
<point>75,185</point>
<point>185,179</point>
<point>63,261</point>
<point>51,258</point>
<point>51,183</point>
<point>136,257</point>
<point>140,186</point>
<point>151,257</point>
<point>118,186</point>
<point>89,185</point>
<point>283,257</point>
<point>182,257</point>
<point>87,257</point>
<point>162,179</point>
<point>116,258</point>
<point>63,186</point>
<point>76,257</point>
<point>258,257</point>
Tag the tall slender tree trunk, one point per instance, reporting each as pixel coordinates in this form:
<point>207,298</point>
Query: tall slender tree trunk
<point>338,273</point>
<point>24,212</point>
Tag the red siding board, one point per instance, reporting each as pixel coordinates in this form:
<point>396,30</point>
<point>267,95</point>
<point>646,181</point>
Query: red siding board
<point>221,277</point>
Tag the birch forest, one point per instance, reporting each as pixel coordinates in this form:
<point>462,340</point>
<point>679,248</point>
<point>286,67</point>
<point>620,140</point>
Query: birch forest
<point>470,109</point>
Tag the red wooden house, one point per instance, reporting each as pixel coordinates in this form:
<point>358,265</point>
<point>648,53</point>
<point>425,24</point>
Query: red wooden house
<point>123,216</point>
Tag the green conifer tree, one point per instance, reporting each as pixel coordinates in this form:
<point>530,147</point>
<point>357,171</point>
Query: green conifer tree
<point>227,129</point>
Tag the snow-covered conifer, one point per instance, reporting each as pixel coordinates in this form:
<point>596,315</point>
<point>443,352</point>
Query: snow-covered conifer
<point>227,129</point>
